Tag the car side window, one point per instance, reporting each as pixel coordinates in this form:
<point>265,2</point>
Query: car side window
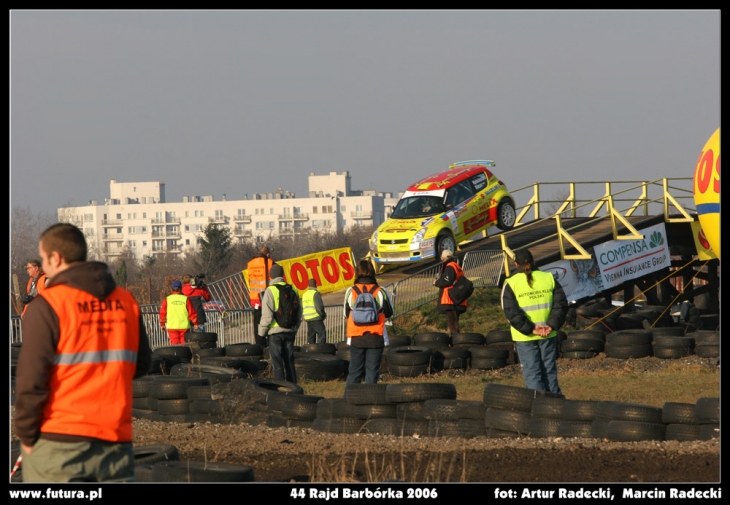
<point>458,193</point>
<point>479,181</point>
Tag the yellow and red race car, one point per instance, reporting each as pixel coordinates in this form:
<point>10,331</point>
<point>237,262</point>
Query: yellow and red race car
<point>441,211</point>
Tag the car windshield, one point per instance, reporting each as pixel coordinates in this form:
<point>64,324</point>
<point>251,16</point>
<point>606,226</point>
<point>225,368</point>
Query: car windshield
<point>418,206</point>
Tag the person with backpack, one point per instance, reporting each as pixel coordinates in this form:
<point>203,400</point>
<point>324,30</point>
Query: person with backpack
<point>367,306</point>
<point>536,307</point>
<point>281,315</point>
<point>450,273</point>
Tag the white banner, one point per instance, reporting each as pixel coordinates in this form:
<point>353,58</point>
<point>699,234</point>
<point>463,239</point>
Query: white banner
<point>623,260</point>
<point>578,278</point>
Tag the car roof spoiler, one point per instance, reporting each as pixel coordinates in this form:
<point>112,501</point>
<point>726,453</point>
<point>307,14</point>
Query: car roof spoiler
<point>488,163</point>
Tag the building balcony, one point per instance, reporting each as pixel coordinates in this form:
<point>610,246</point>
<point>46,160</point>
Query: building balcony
<point>166,220</point>
<point>293,231</point>
<point>112,236</point>
<point>111,222</point>
<point>112,252</point>
<point>361,214</point>
<point>218,220</point>
<point>242,218</point>
<point>173,234</point>
<point>158,234</point>
<point>299,216</point>
<point>165,250</point>
<point>242,233</point>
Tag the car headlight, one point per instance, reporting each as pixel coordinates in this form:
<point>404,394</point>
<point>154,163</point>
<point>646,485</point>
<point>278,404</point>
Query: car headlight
<point>418,237</point>
<point>374,241</point>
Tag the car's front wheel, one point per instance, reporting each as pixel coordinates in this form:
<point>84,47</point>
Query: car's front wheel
<point>506,215</point>
<point>445,241</point>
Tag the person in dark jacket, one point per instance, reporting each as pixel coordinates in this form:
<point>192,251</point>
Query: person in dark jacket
<point>195,289</point>
<point>536,307</point>
<point>449,274</point>
<point>83,343</point>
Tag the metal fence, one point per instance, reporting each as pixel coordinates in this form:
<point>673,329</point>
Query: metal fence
<point>235,326</point>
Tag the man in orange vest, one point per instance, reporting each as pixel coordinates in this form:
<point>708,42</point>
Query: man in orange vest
<point>36,283</point>
<point>449,274</point>
<point>84,342</point>
<point>259,277</point>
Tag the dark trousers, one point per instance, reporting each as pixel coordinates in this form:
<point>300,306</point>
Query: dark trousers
<point>281,352</point>
<point>262,341</point>
<point>452,321</point>
<point>364,363</point>
<point>316,332</point>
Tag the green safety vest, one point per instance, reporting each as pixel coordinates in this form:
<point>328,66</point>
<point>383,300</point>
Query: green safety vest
<point>275,291</point>
<point>309,310</point>
<point>536,301</point>
<point>177,312</point>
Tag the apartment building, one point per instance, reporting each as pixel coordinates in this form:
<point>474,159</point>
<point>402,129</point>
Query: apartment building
<point>136,215</point>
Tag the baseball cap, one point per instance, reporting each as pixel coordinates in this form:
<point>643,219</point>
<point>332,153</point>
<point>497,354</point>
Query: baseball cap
<point>446,254</point>
<point>176,285</point>
<point>276,271</point>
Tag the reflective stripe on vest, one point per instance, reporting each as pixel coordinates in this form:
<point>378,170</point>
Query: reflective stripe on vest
<point>258,273</point>
<point>177,312</point>
<point>90,381</point>
<point>354,330</point>
<point>536,301</point>
<point>309,308</point>
<point>445,298</point>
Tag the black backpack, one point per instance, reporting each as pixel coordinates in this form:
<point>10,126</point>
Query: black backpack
<point>461,290</point>
<point>287,315</point>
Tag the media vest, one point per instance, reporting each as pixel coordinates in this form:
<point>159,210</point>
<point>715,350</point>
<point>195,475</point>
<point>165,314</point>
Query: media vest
<point>353,330</point>
<point>177,312</point>
<point>96,359</point>
<point>445,298</point>
<point>309,309</point>
<point>536,301</point>
<point>258,277</point>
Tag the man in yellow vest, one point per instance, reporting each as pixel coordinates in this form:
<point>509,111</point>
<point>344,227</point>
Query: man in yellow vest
<point>536,306</point>
<point>176,314</point>
<point>314,314</point>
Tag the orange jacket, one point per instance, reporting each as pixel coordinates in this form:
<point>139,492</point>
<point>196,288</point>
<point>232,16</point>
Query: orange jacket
<point>258,277</point>
<point>445,298</point>
<point>40,287</point>
<point>96,358</point>
<point>354,330</point>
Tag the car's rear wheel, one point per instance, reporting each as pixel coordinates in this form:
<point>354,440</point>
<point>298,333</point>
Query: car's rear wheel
<point>506,215</point>
<point>443,242</point>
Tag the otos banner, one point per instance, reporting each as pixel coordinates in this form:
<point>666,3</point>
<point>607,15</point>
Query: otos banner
<point>623,260</point>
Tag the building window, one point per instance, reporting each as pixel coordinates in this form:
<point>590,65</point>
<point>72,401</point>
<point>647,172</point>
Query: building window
<point>144,243</point>
<point>187,213</point>
<point>187,228</point>
<point>88,217</point>
<point>187,241</point>
<point>314,209</point>
<point>271,225</point>
<point>241,212</point>
<point>259,226</point>
<point>89,232</point>
<point>144,229</point>
<point>218,214</point>
<point>343,208</point>
<point>119,216</point>
<point>144,215</point>
<point>132,244</point>
<point>257,211</point>
<point>271,210</point>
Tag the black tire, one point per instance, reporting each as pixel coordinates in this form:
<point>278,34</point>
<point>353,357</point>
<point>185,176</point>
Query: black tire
<point>173,406</point>
<point>244,349</point>
<point>261,388</point>
<point>674,331</point>
<point>141,386</point>
<point>275,401</point>
<point>337,424</point>
<point>408,370</point>
<point>710,321</point>
<point>445,240</point>
<point>366,394</point>
<point>501,396</point>
<point>168,388</point>
<point>599,428</point>
<point>578,429</point>
<point>318,348</point>
<point>543,427</point>
<point>413,411</point>
<point>443,428</point>
<point>679,413</point>
<point>622,411</point>
<point>468,338</point>
<point>143,472</point>
<point>582,345</point>
<point>142,403</point>
<point>707,410</point>
<point>671,352</point>
<point>201,471</point>
<point>396,427</point>
<point>507,420</point>
<point>709,431</point>
<point>432,339</point>
<point>179,351</point>
<point>587,334</point>
<point>494,336</point>
<point>579,354</point>
<point>580,410</point>
<point>628,351</point>
<point>471,428</point>
<point>488,352</point>
<point>199,393</point>
<point>409,355</point>
<point>212,352</point>
<point>548,407</point>
<point>629,338</point>
<point>506,214</point>
<point>399,340</point>
<point>396,393</point>
<point>488,363</point>
<point>202,336</point>
<point>151,415</point>
<point>471,409</point>
<point>214,374</point>
<point>300,407</point>
<point>319,367</point>
<point>707,351</point>
<point>226,362</point>
<point>629,431</point>
<point>683,432</point>
<point>673,341</point>
<point>441,410</point>
<point>335,408</point>
<point>366,412</point>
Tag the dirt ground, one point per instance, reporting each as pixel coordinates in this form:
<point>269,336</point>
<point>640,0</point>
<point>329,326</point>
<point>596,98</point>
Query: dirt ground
<point>306,455</point>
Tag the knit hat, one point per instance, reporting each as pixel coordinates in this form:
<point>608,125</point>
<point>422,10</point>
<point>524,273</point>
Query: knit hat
<point>176,285</point>
<point>446,254</point>
<point>276,271</point>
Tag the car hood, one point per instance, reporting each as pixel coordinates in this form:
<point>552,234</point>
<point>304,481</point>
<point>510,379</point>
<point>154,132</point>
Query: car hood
<point>403,226</point>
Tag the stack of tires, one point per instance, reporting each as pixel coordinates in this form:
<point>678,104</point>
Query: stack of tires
<point>409,360</point>
<point>166,397</point>
<point>707,343</point>
<point>624,344</point>
<point>578,418</point>
<point>509,409</point>
<point>371,406</point>
<point>336,415</point>
<point>249,352</point>
<point>633,422</point>
<point>582,344</point>
<point>319,362</point>
<point>502,339</point>
<point>671,343</point>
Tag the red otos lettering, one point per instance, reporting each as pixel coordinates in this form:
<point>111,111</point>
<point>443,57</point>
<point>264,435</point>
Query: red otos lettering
<point>348,271</point>
<point>330,270</point>
<point>704,172</point>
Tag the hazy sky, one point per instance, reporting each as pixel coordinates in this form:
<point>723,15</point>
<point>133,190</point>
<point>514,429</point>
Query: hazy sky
<point>241,102</point>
